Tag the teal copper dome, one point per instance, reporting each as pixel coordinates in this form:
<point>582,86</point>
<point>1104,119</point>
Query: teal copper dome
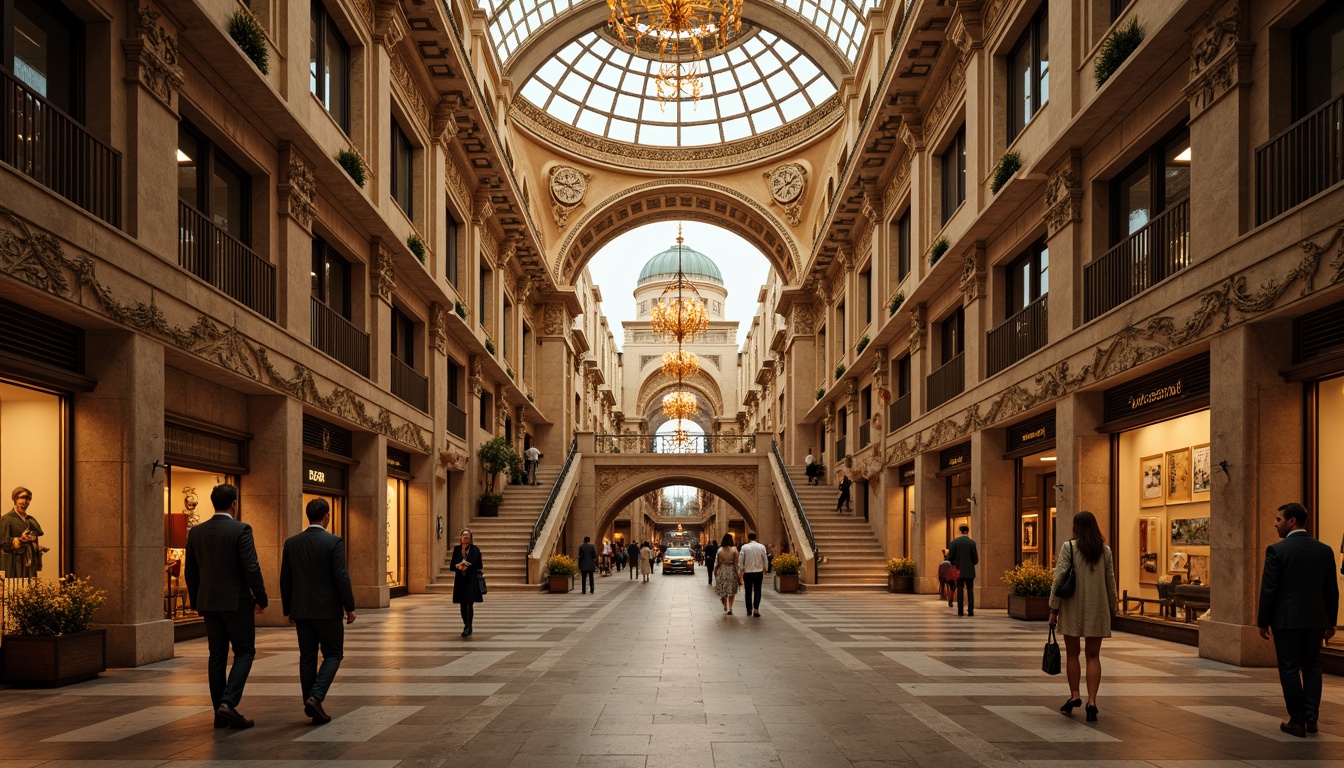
<point>694,264</point>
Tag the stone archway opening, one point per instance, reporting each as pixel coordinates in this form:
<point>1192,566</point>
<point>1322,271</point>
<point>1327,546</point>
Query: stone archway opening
<point>610,507</point>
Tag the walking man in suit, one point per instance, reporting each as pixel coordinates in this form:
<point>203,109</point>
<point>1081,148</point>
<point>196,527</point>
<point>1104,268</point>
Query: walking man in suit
<point>314,592</point>
<point>225,587</point>
<point>752,560</point>
<point>711,553</point>
<point>963,554</point>
<point>587,565</point>
<point>1299,605</point>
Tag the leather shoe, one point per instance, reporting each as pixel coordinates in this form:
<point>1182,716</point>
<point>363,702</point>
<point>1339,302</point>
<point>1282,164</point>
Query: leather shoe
<point>307,710</point>
<point>221,722</point>
<point>1311,726</point>
<point>233,717</point>
<point>1294,729</point>
<point>319,714</point>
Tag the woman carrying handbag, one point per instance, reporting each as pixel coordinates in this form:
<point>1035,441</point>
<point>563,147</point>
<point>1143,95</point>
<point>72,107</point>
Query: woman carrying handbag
<point>1083,614</point>
<point>467,579</point>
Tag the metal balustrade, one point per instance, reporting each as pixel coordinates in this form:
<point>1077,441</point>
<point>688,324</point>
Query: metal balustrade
<point>668,444</point>
<point>215,256</point>
<point>946,382</point>
<point>457,421</point>
<point>335,336</point>
<point>1020,335</point>
<point>1300,163</point>
<point>410,386</point>
<point>898,413</point>
<point>1158,250</point>
<point>46,144</point>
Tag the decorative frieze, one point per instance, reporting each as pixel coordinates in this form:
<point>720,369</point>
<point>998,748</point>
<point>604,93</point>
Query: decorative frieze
<point>973,273</point>
<point>402,78</point>
<point>949,93</point>
<point>298,191</point>
<point>802,318</point>
<point>553,319</point>
<point>384,281</point>
<point>152,55</point>
<point>438,327</point>
<point>1063,195</point>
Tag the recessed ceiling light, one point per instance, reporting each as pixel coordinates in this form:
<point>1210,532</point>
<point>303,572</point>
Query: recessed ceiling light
<point>1184,157</point>
<point>1049,458</point>
<point>182,157</point>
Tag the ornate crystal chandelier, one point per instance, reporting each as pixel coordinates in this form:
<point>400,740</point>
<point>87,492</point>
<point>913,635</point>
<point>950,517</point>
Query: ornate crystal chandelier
<point>679,364</point>
<point>679,314</point>
<point>679,31</point>
<point>680,404</point>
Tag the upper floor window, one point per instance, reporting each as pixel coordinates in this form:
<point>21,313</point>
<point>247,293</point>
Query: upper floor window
<point>840,328</point>
<point>866,294</point>
<point>403,337</point>
<point>1155,182</point>
<point>454,382</point>
<point>1028,277</point>
<point>331,278</point>
<point>43,44</point>
<point>953,335</point>
<point>450,248</point>
<point>1029,73</point>
<point>212,184</point>
<point>483,291</point>
<point>902,376</point>
<point>403,178</point>
<point>954,175</point>
<point>1318,60</point>
<point>329,66</point>
<point>903,246</point>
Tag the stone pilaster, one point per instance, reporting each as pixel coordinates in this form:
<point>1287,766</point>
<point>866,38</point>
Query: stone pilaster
<point>272,491</point>
<point>1084,466</point>
<point>1064,237</point>
<point>153,79</point>
<point>929,527</point>
<point>993,515</point>
<point>366,521</point>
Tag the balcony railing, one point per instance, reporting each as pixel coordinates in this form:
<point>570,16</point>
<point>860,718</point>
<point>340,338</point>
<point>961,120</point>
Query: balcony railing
<point>1020,335</point>
<point>1158,250</point>
<point>213,255</point>
<point>43,142</point>
<point>865,434</point>
<point>335,336</point>
<point>946,382</point>
<point>457,421</point>
<point>898,413</point>
<point>1301,162</point>
<point>668,444</point>
<point>840,447</point>
<point>410,386</point>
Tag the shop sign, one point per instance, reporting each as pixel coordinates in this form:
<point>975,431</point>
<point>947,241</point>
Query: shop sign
<point>327,437</point>
<point>193,447</point>
<point>1167,390</point>
<point>906,474</point>
<point>956,458</point>
<point>398,461</point>
<point>1033,432</point>
<point>326,476</point>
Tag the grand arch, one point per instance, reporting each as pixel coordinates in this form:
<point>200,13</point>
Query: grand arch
<point>657,384</point>
<point>737,484</point>
<point>686,199</point>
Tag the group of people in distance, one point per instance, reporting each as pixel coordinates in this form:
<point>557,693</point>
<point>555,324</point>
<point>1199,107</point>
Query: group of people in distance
<point>815,475</point>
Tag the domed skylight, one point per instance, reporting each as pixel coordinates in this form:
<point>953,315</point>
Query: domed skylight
<point>758,85</point>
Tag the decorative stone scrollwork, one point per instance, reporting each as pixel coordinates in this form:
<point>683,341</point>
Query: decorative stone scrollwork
<point>438,327</point>
<point>483,209</point>
<point>1063,196</point>
<point>384,275</point>
<point>553,319</point>
<point>298,193</point>
<point>502,413</point>
<point>918,328</point>
<point>973,274</point>
<point>452,459</point>
<point>402,78</point>
<point>803,319</point>
<point>1216,56</point>
<point>152,54</point>
<point>851,393</point>
<point>477,376</point>
<point>453,182</point>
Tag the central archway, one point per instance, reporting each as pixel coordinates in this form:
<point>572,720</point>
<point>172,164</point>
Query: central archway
<point>736,493</point>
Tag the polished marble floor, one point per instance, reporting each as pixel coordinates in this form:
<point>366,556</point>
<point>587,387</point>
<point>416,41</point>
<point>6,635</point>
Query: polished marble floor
<point>654,675</point>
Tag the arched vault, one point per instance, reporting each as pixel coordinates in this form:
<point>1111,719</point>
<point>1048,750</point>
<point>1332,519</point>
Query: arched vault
<point>726,485</point>
<point>684,199</point>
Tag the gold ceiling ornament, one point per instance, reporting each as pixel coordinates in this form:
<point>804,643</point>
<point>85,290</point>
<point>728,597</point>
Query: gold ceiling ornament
<point>679,405</point>
<point>680,31</point>
<point>679,364</point>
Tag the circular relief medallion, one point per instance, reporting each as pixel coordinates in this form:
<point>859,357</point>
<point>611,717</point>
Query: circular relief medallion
<point>786,183</point>
<point>568,185</point>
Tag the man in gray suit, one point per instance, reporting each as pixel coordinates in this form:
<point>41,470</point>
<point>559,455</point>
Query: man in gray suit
<point>1299,603</point>
<point>314,591</point>
<point>225,587</point>
<point>962,553</point>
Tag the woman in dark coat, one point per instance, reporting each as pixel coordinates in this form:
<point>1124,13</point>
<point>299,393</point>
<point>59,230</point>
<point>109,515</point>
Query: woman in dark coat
<point>466,585</point>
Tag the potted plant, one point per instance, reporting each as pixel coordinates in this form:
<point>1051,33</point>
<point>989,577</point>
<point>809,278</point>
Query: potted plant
<point>52,644</point>
<point>900,574</point>
<point>560,570</point>
<point>1029,592</point>
<point>497,455</point>
<point>786,568</point>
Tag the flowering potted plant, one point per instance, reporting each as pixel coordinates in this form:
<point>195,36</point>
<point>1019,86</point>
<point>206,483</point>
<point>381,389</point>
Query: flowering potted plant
<point>1029,592</point>
<point>787,569</point>
<point>52,644</point>
<point>900,574</point>
<point>560,570</point>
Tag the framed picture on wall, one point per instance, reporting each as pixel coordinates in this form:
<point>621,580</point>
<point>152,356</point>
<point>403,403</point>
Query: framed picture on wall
<point>1188,532</point>
<point>1150,481</point>
<point>1200,477</point>
<point>1150,549</point>
<point>1030,534</point>
<point>1177,476</point>
<point>1179,562</point>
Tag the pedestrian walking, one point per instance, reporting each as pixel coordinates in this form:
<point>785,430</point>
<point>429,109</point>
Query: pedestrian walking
<point>947,580</point>
<point>587,564</point>
<point>1086,614</point>
<point>632,554</point>
<point>315,594</point>
<point>645,561</point>
<point>1299,608</point>
<point>810,464</point>
<point>467,567</point>
<point>225,587</point>
<point>962,553</point>
<point>843,501</point>
<point>711,551</point>
<point>606,557</point>
<point>752,561</point>
<point>726,570</point>
<point>531,458</point>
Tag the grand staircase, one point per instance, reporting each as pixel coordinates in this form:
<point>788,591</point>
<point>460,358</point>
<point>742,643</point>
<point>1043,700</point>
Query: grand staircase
<point>854,561</point>
<point>503,540</point>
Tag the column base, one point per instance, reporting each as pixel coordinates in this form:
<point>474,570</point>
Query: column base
<point>1237,644</point>
<point>133,645</point>
<point>372,597</point>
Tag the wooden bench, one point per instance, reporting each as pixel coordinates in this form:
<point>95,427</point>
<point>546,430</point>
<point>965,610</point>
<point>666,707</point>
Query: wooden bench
<point>1164,606</point>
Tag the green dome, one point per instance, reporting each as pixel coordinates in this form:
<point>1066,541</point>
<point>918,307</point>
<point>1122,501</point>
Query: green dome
<point>694,264</point>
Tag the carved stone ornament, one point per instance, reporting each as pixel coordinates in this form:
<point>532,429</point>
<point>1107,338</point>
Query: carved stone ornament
<point>484,209</point>
<point>803,320</point>
<point>918,328</point>
<point>477,376</point>
<point>964,29</point>
<point>453,181</point>
<point>453,459</point>
<point>951,90</point>
<point>404,81</point>
<point>561,215</point>
<point>1218,57</point>
<point>37,258</point>
<point>299,191</point>
<point>438,327</point>
<point>384,276</point>
<point>851,393</point>
<point>1063,197</point>
<point>553,319</point>
<point>152,55</point>
<point>502,413</point>
<point>972,281</point>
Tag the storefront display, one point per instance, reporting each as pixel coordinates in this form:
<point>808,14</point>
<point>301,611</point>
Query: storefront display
<point>1329,432</point>
<point>32,463</point>
<point>398,516</point>
<point>1031,443</point>
<point>186,504</point>
<point>954,465</point>
<point>905,506</point>
<point>327,481</point>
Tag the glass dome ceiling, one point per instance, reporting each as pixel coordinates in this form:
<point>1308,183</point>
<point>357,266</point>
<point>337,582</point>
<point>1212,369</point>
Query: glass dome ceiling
<point>755,86</point>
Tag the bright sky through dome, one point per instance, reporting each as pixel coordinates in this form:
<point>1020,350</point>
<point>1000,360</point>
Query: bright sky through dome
<point>615,269</point>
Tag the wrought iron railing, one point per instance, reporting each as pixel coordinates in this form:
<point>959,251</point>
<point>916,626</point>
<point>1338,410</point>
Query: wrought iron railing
<point>1156,251</point>
<point>946,382</point>
<point>457,420</point>
<point>208,252</point>
<point>798,508</point>
<point>335,336</point>
<point>1020,335</point>
<point>546,509</point>
<point>1300,163</point>
<point>840,447</point>
<point>898,413</point>
<point>409,385</point>
<point>670,444</point>
<point>865,434</point>
<point>52,148</point>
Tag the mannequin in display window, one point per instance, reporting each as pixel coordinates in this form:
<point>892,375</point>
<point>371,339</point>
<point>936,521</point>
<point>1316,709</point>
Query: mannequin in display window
<point>20,551</point>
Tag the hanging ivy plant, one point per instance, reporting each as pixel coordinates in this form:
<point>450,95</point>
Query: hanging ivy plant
<point>251,39</point>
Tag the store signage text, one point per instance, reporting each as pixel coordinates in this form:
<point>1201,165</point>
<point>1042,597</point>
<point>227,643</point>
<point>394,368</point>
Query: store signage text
<point>1035,434</point>
<point>1155,396</point>
<point>955,461</point>
<point>317,476</point>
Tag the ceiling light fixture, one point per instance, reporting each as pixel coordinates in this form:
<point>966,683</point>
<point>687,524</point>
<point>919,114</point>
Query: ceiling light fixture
<point>679,32</point>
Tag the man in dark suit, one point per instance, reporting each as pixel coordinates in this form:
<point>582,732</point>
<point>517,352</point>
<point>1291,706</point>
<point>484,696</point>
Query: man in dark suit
<point>962,553</point>
<point>587,564</point>
<point>314,591</point>
<point>225,587</point>
<point>1299,603</point>
<point>711,554</point>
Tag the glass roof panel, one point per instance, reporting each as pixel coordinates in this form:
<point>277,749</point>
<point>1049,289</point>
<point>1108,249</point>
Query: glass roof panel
<point>600,88</point>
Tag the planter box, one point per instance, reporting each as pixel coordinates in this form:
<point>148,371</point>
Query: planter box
<point>486,510</point>
<point>786,582</point>
<point>54,660</point>
<point>560,584</point>
<point>900,583</point>
<point>1028,608</point>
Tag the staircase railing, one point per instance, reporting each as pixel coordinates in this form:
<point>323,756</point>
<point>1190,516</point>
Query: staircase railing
<point>798,508</point>
<point>546,509</point>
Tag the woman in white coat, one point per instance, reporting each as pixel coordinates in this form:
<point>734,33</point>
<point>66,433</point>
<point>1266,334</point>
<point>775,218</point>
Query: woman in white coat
<point>1086,614</point>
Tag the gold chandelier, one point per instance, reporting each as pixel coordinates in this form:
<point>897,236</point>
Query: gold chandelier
<point>680,364</point>
<point>679,405</point>
<point>679,314</point>
<point>679,31</point>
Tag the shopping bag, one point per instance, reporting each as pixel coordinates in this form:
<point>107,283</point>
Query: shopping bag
<point>1050,659</point>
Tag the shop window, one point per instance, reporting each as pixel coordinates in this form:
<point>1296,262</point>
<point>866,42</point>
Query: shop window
<point>902,237</point>
<point>403,338</point>
<point>212,184</point>
<point>953,163</point>
<point>33,458</point>
<point>1328,447</point>
<point>952,334</point>
<point>329,66</point>
<point>1156,182</point>
<point>331,278</point>
<point>1318,60</point>
<point>1028,277</point>
<point>42,46</point>
<point>1029,73</point>
<point>451,236</point>
<point>403,171</point>
<point>186,504</point>
<point>398,510</point>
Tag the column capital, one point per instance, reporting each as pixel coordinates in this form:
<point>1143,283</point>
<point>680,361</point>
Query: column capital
<point>151,56</point>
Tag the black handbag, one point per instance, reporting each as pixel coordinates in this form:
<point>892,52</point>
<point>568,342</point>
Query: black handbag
<point>1050,659</point>
<point>480,582</point>
<point>1068,583</point>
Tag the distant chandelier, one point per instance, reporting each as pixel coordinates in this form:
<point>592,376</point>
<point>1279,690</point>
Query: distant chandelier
<point>679,31</point>
<point>680,436</point>
<point>679,364</point>
<point>679,314</point>
<point>679,405</point>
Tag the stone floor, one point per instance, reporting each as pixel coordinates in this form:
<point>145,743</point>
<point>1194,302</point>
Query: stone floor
<point>655,675</point>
